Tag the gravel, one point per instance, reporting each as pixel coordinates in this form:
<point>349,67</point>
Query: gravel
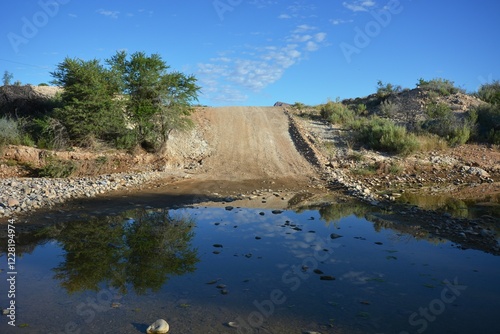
<point>21,195</point>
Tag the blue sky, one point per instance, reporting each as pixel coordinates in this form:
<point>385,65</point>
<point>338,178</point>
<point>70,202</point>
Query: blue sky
<point>257,52</point>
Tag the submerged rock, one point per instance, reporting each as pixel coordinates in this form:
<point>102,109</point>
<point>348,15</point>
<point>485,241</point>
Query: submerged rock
<point>160,326</point>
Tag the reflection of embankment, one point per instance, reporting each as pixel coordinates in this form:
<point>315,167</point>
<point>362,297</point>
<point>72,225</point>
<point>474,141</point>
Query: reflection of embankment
<point>417,223</point>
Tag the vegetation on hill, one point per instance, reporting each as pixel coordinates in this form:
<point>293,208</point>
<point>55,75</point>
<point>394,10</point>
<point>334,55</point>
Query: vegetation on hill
<point>401,121</point>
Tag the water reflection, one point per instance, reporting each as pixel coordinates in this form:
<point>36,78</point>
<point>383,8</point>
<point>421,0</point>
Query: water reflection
<point>142,251</point>
<point>472,208</point>
<point>380,273</point>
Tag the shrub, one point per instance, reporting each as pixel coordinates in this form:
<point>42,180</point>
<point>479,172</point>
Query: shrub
<point>490,93</point>
<point>383,134</point>
<point>384,91</point>
<point>50,133</point>
<point>443,122</point>
<point>441,86</point>
<point>55,168</point>
<point>388,109</point>
<point>9,132</point>
<point>337,113</point>
<point>361,109</point>
<point>488,119</point>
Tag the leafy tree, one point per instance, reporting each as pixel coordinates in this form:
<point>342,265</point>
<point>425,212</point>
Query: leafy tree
<point>158,101</point>
<point>91,109</point>
<point>7,78</point>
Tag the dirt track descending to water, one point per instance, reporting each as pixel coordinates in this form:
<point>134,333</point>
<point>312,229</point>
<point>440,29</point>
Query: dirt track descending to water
<point>251,143</point>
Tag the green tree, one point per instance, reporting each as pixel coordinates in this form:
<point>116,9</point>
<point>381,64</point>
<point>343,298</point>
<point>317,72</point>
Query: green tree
<point>91,109</point>
<point>158,101</point>
<point>7,78</point>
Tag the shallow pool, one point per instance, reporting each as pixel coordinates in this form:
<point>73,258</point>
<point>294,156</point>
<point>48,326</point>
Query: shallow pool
<point>328,270</point>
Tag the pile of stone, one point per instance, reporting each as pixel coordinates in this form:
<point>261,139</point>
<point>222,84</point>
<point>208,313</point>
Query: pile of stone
<point>27,194</point>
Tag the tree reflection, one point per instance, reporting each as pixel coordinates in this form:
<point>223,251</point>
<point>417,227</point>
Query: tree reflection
<point>142,252</point>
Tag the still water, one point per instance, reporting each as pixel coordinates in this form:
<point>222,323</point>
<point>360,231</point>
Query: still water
<point>326,270</point>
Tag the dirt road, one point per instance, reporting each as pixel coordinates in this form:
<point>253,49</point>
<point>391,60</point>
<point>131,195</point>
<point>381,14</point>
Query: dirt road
<point>250,143</point>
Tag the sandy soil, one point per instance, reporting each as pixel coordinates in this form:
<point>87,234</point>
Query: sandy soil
<point>251,143</point>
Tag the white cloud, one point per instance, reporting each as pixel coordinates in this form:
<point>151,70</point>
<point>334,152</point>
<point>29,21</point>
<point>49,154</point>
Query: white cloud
<point>284,16</point>
<point>109,13</point>
<point>311,46</point>
<point>303,28</point>
<point>72,15</point>
<point>255,67</point>
<point>320,37</point>
<point>340,21</point>
<point>296,38</point>
<point>359,5</point>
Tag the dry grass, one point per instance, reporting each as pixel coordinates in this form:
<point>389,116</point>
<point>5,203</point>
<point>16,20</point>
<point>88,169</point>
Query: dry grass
<point>430,142</point>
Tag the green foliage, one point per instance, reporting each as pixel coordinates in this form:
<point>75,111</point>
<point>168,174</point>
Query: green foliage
<point>440,86</point>
<point>158,102</point>
<point>299,106</point>
<point>443,122</point>
<point>55,168</point>
<point>90,108</point>
<point>388,109</point>
<point>490,93</point>
<point>9,132</point>
<point>49,133</point>
<point>43,84</point>
<point>382,134</point>
<point>337,113</point>
<point>488,119</point>
<point>7,78</point>
<point>361,109</point>
<point>127,140</point>
<point>386,90</point>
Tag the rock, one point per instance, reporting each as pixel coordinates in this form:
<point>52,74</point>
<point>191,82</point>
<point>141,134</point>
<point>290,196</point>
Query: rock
<point>158,327</point>
<point>12,202</point>
<point>232,324</point>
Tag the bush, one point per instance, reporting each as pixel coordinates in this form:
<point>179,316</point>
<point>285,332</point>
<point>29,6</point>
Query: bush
<point>490,93</point>
<point>337,113</point>
<point>488,119</point>
<point>55,168</point>
<point>441,86</point>
<point>382,134</point>
<point>443,122</point>
<point>361,110</point>
<point>9,132</point>
<point>384,91</point>
<point>49,133</point>
<point>388,109</point>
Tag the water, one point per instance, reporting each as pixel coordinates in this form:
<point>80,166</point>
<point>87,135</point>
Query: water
<point>466,208</point>
<point>200,268</point>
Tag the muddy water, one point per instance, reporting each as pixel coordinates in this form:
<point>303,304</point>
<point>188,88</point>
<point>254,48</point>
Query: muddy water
<point>326,270</point>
